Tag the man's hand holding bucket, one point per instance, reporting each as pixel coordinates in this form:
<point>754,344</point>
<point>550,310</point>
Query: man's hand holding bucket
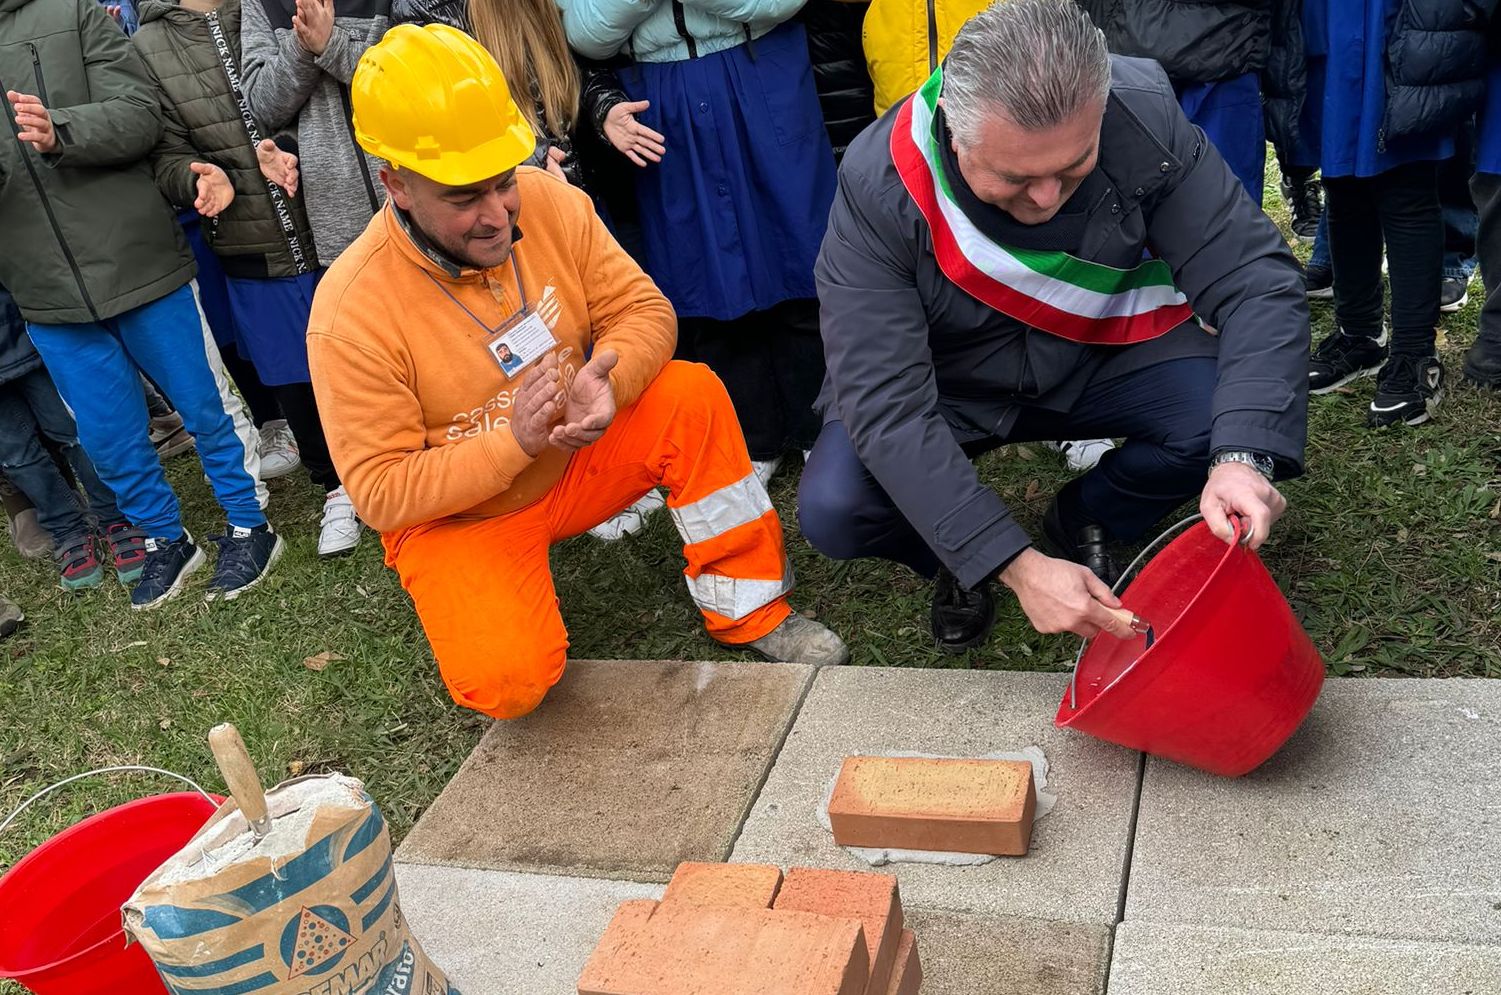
<point>1238,489</point>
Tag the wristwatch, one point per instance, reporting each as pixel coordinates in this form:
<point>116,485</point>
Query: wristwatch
<point>1259,462</point>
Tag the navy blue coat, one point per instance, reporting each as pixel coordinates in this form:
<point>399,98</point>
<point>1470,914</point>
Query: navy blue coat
<point>17,356</point>
<point>916,366</point>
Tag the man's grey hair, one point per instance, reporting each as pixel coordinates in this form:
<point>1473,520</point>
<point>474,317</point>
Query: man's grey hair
<point>1038,62</point>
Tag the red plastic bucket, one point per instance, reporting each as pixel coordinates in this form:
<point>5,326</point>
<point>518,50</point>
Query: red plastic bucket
<point>1229,678</point>
<point>60,906</point>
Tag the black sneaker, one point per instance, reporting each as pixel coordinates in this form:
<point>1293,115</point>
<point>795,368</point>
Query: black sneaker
<point>1341,358</point>
<point>1453,294</point>
<point>1318,283</point>
<point>1085,543</point>
<point>962,618</point>
<point>1306,202</point>
<point>245,556</point>
<point>1408,390</point>
<point>169,563</point>
<point>1483,363</point>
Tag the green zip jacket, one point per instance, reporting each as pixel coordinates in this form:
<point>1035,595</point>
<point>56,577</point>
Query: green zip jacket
<point>204,123</point>
<point>84,233</point>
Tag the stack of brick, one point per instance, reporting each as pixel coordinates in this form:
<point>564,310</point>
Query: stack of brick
<point>744,929</point>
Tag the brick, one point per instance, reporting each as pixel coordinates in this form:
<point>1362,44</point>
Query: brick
<point>620,940</point>
<point>906,977</point>
<point>685,949</point>
<point>911,803</point>
<point>871,898</point>
<point>751,886</point>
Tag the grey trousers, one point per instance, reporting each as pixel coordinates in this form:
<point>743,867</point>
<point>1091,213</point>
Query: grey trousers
<point>1486,189</point>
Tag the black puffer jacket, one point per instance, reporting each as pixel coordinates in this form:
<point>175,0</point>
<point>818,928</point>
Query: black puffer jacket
<point>204,124</point>
<point>1284,81</point>
<point>1196,41</point>
<point>845,91</point>
<point>1435,64</point>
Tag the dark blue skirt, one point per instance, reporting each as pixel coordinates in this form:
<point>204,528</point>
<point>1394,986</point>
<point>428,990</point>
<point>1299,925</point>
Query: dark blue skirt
<point>733,215</point>
<point>272,317</point>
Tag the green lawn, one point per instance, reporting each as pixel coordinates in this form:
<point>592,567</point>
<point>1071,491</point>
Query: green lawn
<point>1389,553</point>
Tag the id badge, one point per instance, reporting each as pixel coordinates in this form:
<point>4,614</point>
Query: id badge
<point>521,343</point>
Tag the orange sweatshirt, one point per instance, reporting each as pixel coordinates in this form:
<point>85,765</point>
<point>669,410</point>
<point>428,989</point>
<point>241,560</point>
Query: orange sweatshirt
<point>414,405</point>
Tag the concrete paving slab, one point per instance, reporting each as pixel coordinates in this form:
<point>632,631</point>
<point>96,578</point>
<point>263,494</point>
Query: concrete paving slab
<point>1380,818</point>
<point>1073,872</point>
<point>968,955</point>
<point>1186,960</point>
<point>499,933</point>
<point>627,769</point>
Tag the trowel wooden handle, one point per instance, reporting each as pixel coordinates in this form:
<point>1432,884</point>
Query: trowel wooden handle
<point>1129,617</point>
<point>239,773</point>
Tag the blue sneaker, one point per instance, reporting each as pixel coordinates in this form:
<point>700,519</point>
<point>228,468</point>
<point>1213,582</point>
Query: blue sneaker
<point>245,555</point>
<point>169,563</point>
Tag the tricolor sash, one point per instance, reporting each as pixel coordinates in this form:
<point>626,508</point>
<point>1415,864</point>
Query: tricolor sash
<point>1055,292</point>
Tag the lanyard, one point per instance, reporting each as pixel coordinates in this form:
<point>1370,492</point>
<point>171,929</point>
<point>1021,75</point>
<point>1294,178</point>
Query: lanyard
<point>520,291</point>
<point>252,131</point>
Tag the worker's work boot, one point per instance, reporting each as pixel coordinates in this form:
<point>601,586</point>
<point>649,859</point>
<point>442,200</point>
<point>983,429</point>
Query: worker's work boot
<point>801,640</point>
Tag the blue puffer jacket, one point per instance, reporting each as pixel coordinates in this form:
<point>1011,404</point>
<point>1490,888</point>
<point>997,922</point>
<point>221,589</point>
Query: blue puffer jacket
<point>17,356</point>
<point>668,30</point>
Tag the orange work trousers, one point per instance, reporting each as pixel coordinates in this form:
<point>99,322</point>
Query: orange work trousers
<point>483,588</point>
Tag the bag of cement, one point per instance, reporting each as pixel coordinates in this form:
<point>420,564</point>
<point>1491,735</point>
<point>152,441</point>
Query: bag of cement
<point>308,909</point>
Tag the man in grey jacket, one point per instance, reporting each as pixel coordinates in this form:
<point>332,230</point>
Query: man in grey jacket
<point>299,56</point>
<point>1017,253</point>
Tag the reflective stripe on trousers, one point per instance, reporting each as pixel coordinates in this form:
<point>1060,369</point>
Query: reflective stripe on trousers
<point>712,516</point>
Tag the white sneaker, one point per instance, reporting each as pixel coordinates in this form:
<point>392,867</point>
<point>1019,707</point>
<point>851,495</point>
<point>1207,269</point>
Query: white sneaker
<point>631,520</point>
<point>766,469</point>
<point>1083,454</point>
<point>279,455</point>
<point>340,531</point>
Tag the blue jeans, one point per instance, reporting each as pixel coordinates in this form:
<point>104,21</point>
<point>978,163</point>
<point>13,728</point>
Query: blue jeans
<point>97,366</point>
<point>1163,411</point>
<point>28,405</point>
<point>1319,258</point>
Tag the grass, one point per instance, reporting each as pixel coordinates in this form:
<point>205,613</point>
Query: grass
<point>1389,554</point>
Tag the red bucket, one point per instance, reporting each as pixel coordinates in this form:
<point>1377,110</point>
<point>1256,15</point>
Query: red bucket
<point>60,906</point>
<point>1229,678</point>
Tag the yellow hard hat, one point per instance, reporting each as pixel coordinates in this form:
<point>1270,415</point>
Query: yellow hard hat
<point>432,99</point>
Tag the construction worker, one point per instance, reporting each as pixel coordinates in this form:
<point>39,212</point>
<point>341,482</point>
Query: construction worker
<point>470,467</point>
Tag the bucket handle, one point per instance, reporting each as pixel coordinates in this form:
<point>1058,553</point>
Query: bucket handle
<point>92,773</point>
<point>1126,576</point>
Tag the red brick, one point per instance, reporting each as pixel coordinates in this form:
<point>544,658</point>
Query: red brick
<point>621,938</point>
<point>910,803</point>
<point>906,977</point>
<point>752,886</point>
<point>685,949</point>
<point>871,898</point>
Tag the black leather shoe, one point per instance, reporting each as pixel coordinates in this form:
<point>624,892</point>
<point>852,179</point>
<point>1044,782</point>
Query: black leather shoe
<point>1483,363</point>
<point>1085,544</point>
<point>962,619</point>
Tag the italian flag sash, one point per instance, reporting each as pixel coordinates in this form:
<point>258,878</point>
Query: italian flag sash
<point>1055,292</point>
